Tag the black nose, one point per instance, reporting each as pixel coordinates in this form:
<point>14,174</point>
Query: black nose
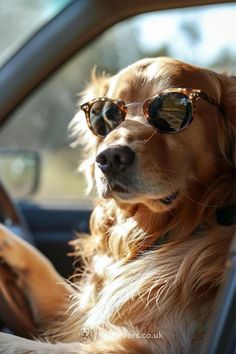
<point>115,159</point>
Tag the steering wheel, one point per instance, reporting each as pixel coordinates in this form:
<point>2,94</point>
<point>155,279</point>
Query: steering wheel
<point>15,312</point>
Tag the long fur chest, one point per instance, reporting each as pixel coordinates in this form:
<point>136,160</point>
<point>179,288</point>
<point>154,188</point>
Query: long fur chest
<point>165,291</point>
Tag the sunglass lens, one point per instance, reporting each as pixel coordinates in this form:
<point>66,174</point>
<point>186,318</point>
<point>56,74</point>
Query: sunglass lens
<point>170,112</point>
<point>105,116</point>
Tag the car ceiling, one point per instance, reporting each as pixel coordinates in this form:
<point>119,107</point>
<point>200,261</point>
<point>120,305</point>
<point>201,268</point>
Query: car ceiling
<point>77,25</point>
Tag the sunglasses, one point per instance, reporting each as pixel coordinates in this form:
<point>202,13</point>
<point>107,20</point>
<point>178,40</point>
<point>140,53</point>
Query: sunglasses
<point>169,112</point>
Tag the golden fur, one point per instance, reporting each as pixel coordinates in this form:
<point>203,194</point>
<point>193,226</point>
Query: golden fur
<point>131,287</point>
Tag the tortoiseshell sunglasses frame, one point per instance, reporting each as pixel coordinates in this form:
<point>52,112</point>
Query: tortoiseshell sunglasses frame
<point>192,94</point>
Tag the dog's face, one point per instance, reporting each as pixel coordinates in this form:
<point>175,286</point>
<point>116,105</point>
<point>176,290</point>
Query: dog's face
<point>135,163</point>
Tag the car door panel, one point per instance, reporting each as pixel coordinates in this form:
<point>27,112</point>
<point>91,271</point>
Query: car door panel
<point>53,226</point>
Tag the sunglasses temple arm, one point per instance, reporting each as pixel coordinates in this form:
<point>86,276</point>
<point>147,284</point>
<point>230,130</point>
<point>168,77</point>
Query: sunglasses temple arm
<point>208,99</point>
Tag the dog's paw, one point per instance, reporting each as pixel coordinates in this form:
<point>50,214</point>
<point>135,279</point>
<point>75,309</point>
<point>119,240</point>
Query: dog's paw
<point>5,239</point>
<point>13,250</point>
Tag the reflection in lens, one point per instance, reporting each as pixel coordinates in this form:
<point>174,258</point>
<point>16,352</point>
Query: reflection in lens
<point>105,116</point>
<point>170,112</point>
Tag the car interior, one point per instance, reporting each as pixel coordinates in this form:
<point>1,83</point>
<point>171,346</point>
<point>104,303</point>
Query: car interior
<point>42,195</point>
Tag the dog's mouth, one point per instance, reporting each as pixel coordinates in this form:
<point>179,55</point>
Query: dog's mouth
<point>119,188</point>
<point>124,192</point>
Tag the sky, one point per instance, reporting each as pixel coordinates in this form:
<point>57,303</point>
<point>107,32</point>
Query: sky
<point>216,26</point>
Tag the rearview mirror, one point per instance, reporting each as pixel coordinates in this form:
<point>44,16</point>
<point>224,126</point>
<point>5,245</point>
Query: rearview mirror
<point>19,171</point>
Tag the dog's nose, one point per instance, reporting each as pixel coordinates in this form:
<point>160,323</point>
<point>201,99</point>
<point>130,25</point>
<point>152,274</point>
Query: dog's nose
<point>115,159</point>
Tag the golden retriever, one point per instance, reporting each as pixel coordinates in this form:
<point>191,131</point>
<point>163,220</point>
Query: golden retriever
<point>159,145</point>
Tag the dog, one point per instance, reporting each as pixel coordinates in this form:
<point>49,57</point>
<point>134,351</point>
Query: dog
<point>159,147</point>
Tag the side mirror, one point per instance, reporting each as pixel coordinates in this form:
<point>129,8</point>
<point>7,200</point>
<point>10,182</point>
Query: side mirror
<point>20,171</point>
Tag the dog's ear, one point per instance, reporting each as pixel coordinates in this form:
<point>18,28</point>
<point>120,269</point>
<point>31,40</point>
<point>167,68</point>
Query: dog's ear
<point>228,98</point>
<point>228,107</point>
<point>79,131</point>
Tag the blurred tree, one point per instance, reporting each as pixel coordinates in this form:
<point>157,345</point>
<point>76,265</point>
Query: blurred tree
<point>191,31</point>
<point>225,62</point>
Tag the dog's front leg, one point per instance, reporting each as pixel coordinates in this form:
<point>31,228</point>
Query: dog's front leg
<point>46,291</point>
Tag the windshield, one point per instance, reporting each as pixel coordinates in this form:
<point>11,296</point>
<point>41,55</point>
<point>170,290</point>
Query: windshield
<point>40,124</point>
<point>19,19</point>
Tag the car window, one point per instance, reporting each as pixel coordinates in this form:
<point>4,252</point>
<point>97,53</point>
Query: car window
<point>40,124</point>
<point>19,19</point>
